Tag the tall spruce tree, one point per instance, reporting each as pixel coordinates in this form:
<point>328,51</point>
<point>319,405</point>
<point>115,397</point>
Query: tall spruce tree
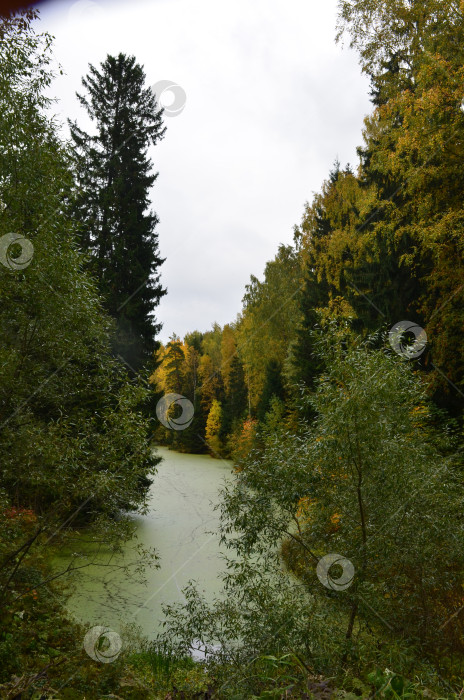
<point>236,398</point>
<point>273,387</point>
<point>114,177</point>
<point>316,290</point>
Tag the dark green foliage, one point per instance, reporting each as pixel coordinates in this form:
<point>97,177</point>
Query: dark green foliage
<point>316,290</point>
<point>114,181</point>
<point>70,421</point>
<point>234,405</point>
<point>74,447</point>
<point>306,363</point>
<point>193,438</point>
<point>195,340</point>
<point>273,387</point>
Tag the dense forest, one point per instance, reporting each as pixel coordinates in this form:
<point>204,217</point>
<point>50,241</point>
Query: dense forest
<point>374,247</point>
<point>337,392</point>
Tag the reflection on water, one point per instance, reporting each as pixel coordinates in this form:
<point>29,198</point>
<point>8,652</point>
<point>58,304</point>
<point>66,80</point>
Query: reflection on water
<point>178,525</point>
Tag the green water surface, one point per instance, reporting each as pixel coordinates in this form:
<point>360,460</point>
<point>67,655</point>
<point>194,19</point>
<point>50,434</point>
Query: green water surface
<point>178,524</point>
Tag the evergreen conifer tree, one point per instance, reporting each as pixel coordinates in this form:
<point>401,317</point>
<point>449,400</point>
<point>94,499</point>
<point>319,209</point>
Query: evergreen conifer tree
<point>236,398</point>
<point>272,387</point>
<point>114,180</point>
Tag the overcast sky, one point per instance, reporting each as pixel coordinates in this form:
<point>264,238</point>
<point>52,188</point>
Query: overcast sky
<point>271,101</point>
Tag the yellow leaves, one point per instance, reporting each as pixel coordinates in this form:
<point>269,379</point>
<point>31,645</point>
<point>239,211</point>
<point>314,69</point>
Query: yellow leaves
<point>228,351</point>
<point>246,439</point>
<point>304,505</point>
<point>419,413</point>
<point>213,425</point>
<point>213,422</point>
<point>158,378</point>
<point>335,519</point>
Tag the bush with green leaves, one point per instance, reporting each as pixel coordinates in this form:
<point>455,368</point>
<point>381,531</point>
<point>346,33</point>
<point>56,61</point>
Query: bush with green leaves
<point>70,420</point>
<point>74,446</point>
<point>371,480</point>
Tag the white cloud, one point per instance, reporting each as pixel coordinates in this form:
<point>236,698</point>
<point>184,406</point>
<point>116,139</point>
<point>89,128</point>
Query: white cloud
<point>271,101</point>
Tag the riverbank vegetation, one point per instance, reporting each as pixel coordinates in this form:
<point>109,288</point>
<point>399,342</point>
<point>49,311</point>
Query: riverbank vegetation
<point>344,518</point>
<point>373,482</point>
<point>74,441</point>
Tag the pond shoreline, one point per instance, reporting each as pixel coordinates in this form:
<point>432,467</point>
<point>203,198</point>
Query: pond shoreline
<point>178,525</point>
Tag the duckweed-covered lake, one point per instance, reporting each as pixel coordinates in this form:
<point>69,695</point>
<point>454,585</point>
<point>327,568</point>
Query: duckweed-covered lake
<point>179,524</point>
